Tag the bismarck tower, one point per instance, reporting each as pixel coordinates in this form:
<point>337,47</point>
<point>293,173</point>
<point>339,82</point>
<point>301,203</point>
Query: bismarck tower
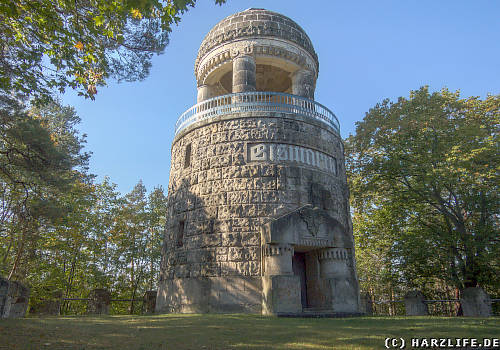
<point>258,211</point>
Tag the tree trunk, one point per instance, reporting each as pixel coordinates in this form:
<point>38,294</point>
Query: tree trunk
<point>392,311</point>
<point>132,280</point>
<point>460,312</point>
<point>20,250</point>
<point>151,272</point>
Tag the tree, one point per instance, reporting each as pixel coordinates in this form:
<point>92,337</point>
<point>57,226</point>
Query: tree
<point>376,229</point>
<point>102,221</point>
<point>130,236</point>
<point>157,211</point>
<point>433,160</point>
<point>60,258</point>
<point>41,159</point>
<point>47,45</point>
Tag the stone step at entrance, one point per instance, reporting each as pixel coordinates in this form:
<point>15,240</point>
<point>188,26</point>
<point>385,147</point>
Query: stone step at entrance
<point>311,312</point>
<point>316,310</point>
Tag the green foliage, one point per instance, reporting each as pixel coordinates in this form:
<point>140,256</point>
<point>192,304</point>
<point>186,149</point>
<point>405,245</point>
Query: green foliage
<point>40,154</point>
<point>61,232</point>
<point>40,146</point>
<point>137,237</point>
<point>106,241</point>
<point>50,45</point>
<point>424,176</point>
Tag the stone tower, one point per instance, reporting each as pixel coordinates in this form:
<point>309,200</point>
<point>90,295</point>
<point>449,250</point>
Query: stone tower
<point>258,212</point>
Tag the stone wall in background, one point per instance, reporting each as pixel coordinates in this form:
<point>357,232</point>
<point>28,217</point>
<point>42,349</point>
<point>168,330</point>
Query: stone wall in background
<point>14,298</point>
<point>415,305</point>
<point>366,304</point>
<point>99,301</point>
<point>149,301</point>
<point>475,302</point>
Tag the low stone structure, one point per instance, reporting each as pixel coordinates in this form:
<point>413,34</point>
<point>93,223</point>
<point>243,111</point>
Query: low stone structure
<point>14,298</point>
<point>475,302</point>
<point>366,304</point>
<point>149,301</point>
<point>415,305</point>
<point>99,301</point>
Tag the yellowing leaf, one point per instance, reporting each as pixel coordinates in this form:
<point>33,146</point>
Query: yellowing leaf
<point>79,45</point>
<point>99,20</point>
<point>136,13</point>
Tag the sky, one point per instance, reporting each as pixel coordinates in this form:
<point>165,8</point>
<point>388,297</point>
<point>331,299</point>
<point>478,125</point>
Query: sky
<point>368,51</point>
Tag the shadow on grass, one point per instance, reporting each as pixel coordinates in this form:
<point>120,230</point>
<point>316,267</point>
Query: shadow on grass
<point>230,332</point>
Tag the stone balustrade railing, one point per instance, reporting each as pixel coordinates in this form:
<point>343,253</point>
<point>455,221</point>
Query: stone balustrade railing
<point>256,101</point>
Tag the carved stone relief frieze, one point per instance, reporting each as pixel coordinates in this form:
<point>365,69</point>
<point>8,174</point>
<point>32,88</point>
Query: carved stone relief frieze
<point>233,51</point>
<point>283,153</point>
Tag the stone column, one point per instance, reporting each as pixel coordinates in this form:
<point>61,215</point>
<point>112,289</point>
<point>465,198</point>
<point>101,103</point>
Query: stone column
<point>205,92</point>
<point>150,301</point>
<point>277,259</point>
<point>341,293</point>
<point>280,287</point>
<point>99,301</point>
<point>414,304</point>
<point>244,74</point>
<point>333,263</point>
<point>475,302</point>
<point>303,83</point>
<point>4,290</point>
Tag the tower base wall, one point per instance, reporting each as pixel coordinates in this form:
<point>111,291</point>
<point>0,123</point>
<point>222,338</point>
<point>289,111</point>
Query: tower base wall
<point>210,295</point>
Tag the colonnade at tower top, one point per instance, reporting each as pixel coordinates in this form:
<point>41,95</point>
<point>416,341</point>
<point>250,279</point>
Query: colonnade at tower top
<point>259,51</point>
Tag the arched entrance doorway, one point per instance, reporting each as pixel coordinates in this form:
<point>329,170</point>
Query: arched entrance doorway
<point>308,264</point>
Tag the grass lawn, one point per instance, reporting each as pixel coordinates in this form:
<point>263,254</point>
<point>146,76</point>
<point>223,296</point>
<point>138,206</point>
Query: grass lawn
<point>231,332</point>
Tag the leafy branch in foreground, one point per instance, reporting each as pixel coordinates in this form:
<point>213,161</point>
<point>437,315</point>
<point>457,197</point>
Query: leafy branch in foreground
<point>47,45</point>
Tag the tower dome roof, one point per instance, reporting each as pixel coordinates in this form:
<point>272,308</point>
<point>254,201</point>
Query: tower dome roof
<point>255,23</point>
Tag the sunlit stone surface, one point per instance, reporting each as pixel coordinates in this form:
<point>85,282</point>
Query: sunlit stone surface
<point>258,213</point>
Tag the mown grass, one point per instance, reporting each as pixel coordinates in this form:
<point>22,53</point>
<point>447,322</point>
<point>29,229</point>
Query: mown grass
<point>179,332</point>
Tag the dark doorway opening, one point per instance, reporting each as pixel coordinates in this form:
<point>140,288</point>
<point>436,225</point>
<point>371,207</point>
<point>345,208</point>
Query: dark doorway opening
<point>299,269</point>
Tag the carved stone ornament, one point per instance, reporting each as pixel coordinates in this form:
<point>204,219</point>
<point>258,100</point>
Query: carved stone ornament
<point>269,24</point>
<point>237,50</point>
<point>260,30</point>
<point>259,50</point>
